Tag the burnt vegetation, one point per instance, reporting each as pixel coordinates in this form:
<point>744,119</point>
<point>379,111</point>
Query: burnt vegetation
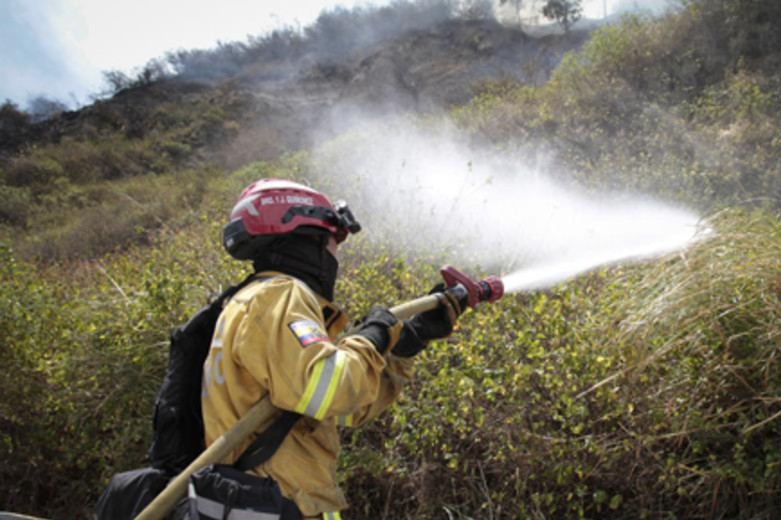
<point>221,108</point>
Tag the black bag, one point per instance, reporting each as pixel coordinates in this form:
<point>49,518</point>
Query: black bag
<point>129,493</point>
<point>177,421</point>
<point>224,493</point>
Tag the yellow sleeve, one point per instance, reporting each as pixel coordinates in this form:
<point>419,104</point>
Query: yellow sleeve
<point>398,371</point>
<point>283,345</point>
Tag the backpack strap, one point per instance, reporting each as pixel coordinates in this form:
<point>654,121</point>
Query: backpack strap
<point>267,443</point>
<point>231,291</point>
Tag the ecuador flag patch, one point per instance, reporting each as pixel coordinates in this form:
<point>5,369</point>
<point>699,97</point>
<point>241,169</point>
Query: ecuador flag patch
<point>308,332</point>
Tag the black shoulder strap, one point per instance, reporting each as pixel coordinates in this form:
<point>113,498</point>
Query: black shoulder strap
<point>228,293</point>
<point>267,443</point>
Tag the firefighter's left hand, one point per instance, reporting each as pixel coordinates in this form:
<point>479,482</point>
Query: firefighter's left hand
<point>380,327</point>
<point>434,324</point>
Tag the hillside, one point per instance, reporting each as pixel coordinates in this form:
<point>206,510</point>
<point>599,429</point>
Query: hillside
<point>422,71</point>
<point>648,390</point>
<point>203,117</point>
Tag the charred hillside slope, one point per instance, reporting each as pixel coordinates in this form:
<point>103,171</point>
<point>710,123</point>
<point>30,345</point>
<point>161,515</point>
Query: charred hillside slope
<point>201,112</point>
<point>278,98</point>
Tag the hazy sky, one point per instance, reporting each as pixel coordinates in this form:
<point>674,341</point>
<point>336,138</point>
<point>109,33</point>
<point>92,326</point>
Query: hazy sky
<point>59,48</point>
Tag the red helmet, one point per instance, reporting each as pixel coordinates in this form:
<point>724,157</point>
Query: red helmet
<point>269,208</point>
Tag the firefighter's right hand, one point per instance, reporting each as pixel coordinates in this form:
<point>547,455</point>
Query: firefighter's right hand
<point>380,327</point>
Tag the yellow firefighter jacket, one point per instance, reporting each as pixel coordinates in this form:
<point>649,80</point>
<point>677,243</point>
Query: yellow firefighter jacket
<point>276,336</point>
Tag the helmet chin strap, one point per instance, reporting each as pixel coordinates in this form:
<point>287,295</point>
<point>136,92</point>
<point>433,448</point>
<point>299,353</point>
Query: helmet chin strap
<point>304,257</point>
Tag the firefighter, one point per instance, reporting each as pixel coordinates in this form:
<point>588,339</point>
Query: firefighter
<point>276,337</point>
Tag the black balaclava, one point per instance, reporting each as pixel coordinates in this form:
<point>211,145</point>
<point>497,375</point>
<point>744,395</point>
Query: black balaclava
<point>303,256</point>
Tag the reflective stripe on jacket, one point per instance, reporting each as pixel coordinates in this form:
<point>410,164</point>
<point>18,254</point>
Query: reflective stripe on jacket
<point>273,338</point>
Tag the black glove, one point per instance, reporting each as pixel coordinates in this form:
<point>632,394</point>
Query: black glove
<point>434,324</point>
<point>380,327</point>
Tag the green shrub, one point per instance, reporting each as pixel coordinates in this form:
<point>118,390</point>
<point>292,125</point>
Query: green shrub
<point>741,98</point>
<point>628,393</point>
<point>649,391</point>
<point>648,106</point>
<point>632,393</point>
<point>176,150</point>
<point>15,204</point>
<point>85,359</point>
<point>33,318</point>
<point>743,29</point>
<point>35,171</point>
<point>77,222</point>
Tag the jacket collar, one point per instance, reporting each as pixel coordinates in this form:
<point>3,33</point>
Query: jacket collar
<point>335,318</point>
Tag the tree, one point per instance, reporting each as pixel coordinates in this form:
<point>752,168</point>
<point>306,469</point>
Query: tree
<point>11,118</point>
<point>42,108</point>
<point>14,125</point>
<point>156,70</point>
<point>116,80</point>
<point>565,12</point>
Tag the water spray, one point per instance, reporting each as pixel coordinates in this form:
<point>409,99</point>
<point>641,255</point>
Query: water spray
<point>518,213</point>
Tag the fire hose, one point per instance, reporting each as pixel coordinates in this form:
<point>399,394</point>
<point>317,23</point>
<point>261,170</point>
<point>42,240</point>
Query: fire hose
<point>458,284</point>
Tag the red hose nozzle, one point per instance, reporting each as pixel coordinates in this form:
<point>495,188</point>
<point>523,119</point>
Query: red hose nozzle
<point>488,290</point>
<point>492,289</point>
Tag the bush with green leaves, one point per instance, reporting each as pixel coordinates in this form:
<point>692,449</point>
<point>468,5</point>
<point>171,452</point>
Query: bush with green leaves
<point>649,105</point>
<point>641,391</point>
